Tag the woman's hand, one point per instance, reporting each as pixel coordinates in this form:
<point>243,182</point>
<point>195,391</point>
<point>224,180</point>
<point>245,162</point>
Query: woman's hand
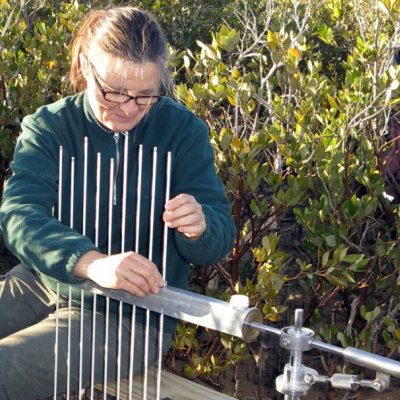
<point>185,214</point>
<point>127,271</point>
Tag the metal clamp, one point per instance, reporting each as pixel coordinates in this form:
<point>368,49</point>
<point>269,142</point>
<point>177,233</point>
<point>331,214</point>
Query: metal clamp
<point>297,339</point>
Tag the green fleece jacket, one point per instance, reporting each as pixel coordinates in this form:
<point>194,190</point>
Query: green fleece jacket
<point>30,215</point>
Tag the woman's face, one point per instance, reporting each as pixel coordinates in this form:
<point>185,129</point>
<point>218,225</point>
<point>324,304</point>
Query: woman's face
<point>105,73</point>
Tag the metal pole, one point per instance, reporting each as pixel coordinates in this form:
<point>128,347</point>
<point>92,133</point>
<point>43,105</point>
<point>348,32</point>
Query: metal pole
<point>110,206</point>
<point>132,351</point>
<point>110,219</point>
<point>165,236</point>
<point>124,194</point>
<point>84,211</point>
<point>119,349</point>
<point>96,242</point>
<point>191,307</point>
<point>123,244</point>
<point>164,275</point>
<point>56,343</point>
<point>85,167</point>
<point>81,343</point>
<point>137,241</point>
<point>93,365</point>
<point>71,205</point>
<point>72,195</point>
<point>107,320</point>
<point>97,200</point>
<point>147,331</point>
<point>138,198</point>
<point>69,342</point>
<point>60,178</point>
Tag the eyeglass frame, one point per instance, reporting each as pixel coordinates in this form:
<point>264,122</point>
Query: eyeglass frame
<point>129,97</point>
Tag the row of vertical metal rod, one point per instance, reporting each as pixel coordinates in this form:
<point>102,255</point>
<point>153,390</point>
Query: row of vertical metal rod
<point>123,243</point>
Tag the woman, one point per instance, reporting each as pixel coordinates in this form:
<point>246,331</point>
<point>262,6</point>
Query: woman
<point>119,68</point>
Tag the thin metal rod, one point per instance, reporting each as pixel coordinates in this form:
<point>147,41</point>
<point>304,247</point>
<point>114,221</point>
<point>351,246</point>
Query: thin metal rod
<point>160,353</point>
<point>56,343</point>
<point>138,197</point>
<point>72,199</point>
<point>263,328</point>
<point>372,361</point>
<point>164,275</point>
<point>71,205</point>
<point>146,354</point>
<point>93,347</point>
<point>106,348</point>
<point>153,198</point>
<point>123,244</point>
<point>298,319</point>
<point>165,238</point>
<point>124,194</point>
<point>84,218</point>
<point>97,205</point>
<point>119,349</point>
<point>60,178</point>
<point>110,219</point>
<point>110,206</point>
<point>81,342</point>
<point>85,172</point>
<point>152,202</point>
<point>132,351</point>
<point>69,342</point>
<point>137,241</point>
<point>96,242</point>
<point>327,347</point>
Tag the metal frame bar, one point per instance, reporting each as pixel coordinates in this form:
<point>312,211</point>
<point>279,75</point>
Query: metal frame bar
<point>191,307</point>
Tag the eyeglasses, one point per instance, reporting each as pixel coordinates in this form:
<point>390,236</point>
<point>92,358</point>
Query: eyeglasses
<point>121,98</point>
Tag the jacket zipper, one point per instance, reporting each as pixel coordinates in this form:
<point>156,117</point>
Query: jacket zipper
<point>117,163</point>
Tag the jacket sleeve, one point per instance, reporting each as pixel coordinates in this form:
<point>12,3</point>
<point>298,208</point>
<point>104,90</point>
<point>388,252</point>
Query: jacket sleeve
<point>30,229</point>
<point>194,169</point>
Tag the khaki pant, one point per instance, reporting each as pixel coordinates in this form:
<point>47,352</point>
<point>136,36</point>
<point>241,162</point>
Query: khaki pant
<point>27,341</point>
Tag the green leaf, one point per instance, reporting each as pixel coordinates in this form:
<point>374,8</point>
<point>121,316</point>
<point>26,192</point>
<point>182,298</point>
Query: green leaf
<point>349,278</point>
<point>213,360</point>
<point>330,240</point>
<point>272,39</point>
<point>255,209</point>
<point>226,141</point>
<point>353,258</point>
<point>336,281</point>
<point>209,51</point>
<point>325,33</point>
<point>325,258</point>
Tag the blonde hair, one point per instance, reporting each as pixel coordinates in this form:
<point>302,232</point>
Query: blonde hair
<point>125,32</point>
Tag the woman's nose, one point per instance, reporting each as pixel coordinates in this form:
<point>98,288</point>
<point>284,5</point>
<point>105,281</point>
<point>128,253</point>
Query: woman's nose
<point>130,107</point>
